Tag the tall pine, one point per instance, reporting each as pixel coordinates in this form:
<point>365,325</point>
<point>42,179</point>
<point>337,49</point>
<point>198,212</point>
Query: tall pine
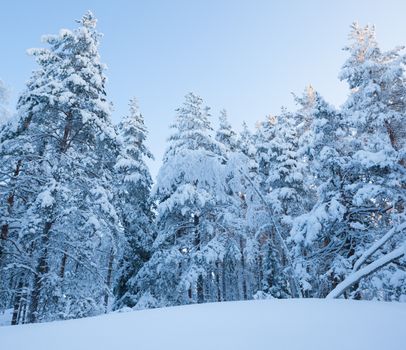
<point>133,200</point>
<point>62,230</point>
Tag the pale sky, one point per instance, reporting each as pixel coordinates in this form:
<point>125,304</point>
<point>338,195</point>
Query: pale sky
<point>245,56</point>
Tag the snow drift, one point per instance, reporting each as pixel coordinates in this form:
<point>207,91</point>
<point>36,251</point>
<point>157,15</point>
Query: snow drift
<point>269,324</point>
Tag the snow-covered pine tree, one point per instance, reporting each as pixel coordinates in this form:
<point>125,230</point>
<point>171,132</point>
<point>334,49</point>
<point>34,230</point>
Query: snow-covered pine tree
<point>225,134</point>
<point>265,134</point>
<point>318,233</point>
<point>187,190</point>
<point>268,245</point>
<point>63,233</point>
<point>237,266</point>
<point>285,181</point>
<point>17,148</point>
<point>243,255</point>
<point>284,196</point>
<point>227,288</point>
<point>375,112</point>
<point>133,200</point>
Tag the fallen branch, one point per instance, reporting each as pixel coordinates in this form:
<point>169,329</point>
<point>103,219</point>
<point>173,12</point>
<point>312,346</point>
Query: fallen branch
<point>356,276</point>
<point>378,244</point>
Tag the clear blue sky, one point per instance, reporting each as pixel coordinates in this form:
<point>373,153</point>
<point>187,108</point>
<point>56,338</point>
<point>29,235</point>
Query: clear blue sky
<point>245,56</point>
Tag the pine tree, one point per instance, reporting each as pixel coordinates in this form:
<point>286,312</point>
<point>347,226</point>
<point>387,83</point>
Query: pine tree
<point>265,135</point>
<point>17,149</point>
<point>283,193</point>
<point>318,233</point>
<point>225,134</point>
<point>237,266</point>
<point>268,256</point>
<point>133,198</point>
<point>375,113</point>
<point>63,233</point>
<point>187,190</point>
<point>285,181</point>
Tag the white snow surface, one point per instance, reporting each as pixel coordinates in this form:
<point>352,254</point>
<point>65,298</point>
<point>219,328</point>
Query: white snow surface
<point>307,324</point>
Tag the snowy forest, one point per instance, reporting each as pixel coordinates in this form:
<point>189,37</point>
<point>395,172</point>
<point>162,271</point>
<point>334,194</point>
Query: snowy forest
<point>311,204</point>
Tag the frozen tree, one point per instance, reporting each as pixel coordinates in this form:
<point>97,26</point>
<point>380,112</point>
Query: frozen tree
<point>225,134</point>
<point>285,180</point>
<point>268,255</point>
<point>62,230</point>
<point>265,135</point>
<point>187,190</point>
<point>375,113</point>
<point>318,234</point>
<point>356,160</point>
<point>133,198</point>
<point>17,148</point>
<point>278,190</point>
<point>237,267</point>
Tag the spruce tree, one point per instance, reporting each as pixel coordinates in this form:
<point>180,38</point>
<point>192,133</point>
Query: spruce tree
<point>225,134</point>
<point>63,229</point>
<point>133,199</point>
<point>187,190</point>
<point>318,233</point>
<point>375,113</point>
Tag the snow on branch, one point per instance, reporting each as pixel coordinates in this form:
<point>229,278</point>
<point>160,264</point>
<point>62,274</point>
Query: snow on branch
<point>366,271</point>
<point>378,244</point>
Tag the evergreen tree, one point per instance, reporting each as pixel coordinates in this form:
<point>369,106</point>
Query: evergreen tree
<point>17,149</point>
<point>63,232</point>
<point>133,198</point>
<point>237,275</point>
<point>187,190</point>
<point>375,113</point>
<point>268,255</point>
<point>265,135</point>
<point>318,233</point>
<point>285,197</point>
<point>285,181</point>
<point>225,134</point>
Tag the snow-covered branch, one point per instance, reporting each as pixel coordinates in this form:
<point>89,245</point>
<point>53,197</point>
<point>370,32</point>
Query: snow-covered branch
<point>366,271</point>
<point>378,244</point>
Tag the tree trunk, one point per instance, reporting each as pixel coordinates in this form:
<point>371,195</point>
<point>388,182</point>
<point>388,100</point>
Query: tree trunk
<point>41,270</point>
<point>66,133</point>
<point>63,266</point>
<point>218,269</point>
<point>17,303</point>
<point>244,282</point>
<point>108,279</point>
<point>260,273</point>
<point>22,314</point>
<point>199,287</point>
<point>224,280</point>
<point>10,202</point>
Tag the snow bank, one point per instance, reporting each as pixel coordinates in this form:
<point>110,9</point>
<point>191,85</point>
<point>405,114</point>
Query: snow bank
<point>309,324</point>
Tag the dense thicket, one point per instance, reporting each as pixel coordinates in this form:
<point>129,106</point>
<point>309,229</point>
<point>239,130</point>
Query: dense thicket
<point>312,204</point>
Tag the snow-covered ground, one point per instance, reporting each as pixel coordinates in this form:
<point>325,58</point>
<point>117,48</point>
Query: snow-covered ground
<point>270,324</point>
